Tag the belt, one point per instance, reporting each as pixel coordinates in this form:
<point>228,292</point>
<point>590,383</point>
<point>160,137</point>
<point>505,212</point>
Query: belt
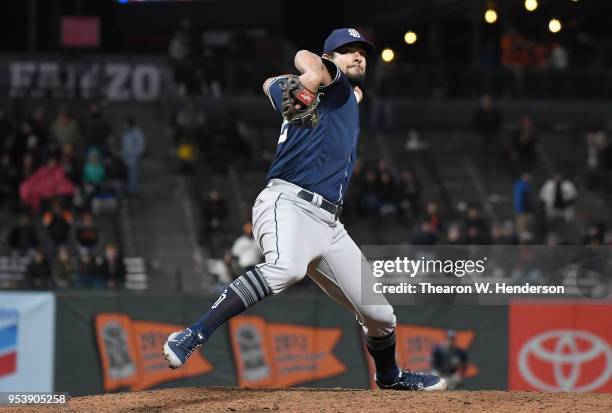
<point>335,210</point>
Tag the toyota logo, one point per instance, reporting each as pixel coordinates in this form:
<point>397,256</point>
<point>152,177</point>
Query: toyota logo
<point>567,358</point>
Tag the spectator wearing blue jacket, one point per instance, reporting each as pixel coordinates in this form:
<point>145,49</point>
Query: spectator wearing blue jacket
<point>132,149</point>
<point>523,205</point>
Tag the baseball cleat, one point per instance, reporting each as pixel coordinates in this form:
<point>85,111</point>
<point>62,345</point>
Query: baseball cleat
<point>408,380</point>
<point>179,347</point>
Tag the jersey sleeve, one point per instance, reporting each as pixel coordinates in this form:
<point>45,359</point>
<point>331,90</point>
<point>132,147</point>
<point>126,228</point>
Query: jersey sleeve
<point>338,91</point>
<point>334,71</point>
<point>274,93</point>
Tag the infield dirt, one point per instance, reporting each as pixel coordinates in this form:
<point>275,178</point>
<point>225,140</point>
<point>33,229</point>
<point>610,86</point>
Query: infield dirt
<point>217,399</point>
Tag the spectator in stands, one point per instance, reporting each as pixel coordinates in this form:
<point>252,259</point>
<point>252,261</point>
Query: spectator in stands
<point>558,63</point>
<point>559,59</point>
<point>113,267</point>
<point>425,234</point>
<point>94,179</point>
<point>514,58</point>
<point>63,269</point>
<point>498,235</point>
<point>187,154</point>
<point>46,182</point>
<point>38,273</point>
<point>476,228</point>
<point>595,234</point>
<point>58,223</point>
<point>65,129</point>
<point>524,207</point>
<point>434,217</point>
<point>178,52</point>
<point>181,51</point>
<point>246,250</point>
<point>487,123</point>
<point>559,196</point>
<point>23,239</point>
<point>410,193</point>
<point>599,160</point>
<point>449,361</point>
<point>524,150</point>
<point>539,55</point>
<point>508,236</point>
<point>94,173</point>
<point>96,129</point>
<point>190,121</point>
<point>454,236</point>
<point>88,272</point>
<point>132,150</point>
<point>222,269</point>
<point>87,233</point>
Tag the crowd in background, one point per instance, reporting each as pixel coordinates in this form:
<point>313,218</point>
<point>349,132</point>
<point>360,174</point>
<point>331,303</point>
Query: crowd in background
<point>59,172</point>
<point>211,63</point>
<point>543,200</point>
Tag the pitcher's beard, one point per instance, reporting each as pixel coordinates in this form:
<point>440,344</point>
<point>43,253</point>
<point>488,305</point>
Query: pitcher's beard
<point>356,80</point>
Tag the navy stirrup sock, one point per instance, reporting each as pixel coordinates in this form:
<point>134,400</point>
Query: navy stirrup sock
<point>242,293</point>
<point>382,350</point>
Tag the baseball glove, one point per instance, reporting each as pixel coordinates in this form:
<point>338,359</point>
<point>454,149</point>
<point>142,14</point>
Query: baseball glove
<point>298,104</point>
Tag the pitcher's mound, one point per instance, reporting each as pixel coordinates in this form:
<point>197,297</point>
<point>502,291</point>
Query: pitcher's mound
<point>223,399</point>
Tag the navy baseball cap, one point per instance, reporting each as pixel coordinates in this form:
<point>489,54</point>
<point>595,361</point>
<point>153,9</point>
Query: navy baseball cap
<point>340,37</point>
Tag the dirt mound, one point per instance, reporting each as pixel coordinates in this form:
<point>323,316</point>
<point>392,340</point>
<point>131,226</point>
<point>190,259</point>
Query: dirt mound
<point>224,399</point>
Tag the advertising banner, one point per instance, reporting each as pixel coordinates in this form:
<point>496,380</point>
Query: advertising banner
<point>130,353</point>
<point>116,78</point>
<point>560,346</point>
<point>281,355</point>
<point>27,329</point>
<point>292,340</point>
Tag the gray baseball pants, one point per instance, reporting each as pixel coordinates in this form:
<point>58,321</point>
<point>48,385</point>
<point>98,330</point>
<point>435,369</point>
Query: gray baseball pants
<point>299,238</point>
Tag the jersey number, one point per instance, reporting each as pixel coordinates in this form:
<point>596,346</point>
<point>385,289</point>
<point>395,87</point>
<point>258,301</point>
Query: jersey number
<point>284,128</point>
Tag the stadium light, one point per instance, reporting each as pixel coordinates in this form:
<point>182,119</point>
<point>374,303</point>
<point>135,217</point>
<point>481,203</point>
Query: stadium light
<point>490,16</point>
<point>554,25</point>
<point>410,37</point>
<point>531,5</point>
<point>387,55</point>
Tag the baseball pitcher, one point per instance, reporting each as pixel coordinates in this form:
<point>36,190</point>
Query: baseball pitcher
<point>296,216</point>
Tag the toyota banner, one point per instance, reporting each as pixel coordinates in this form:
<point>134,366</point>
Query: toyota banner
<point>560,346</point>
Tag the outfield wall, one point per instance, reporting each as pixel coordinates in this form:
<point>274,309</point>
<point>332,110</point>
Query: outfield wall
<point>107,341</point>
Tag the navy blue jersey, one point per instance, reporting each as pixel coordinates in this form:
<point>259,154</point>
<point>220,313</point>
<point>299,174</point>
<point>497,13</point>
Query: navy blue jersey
<point>320,159</point>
